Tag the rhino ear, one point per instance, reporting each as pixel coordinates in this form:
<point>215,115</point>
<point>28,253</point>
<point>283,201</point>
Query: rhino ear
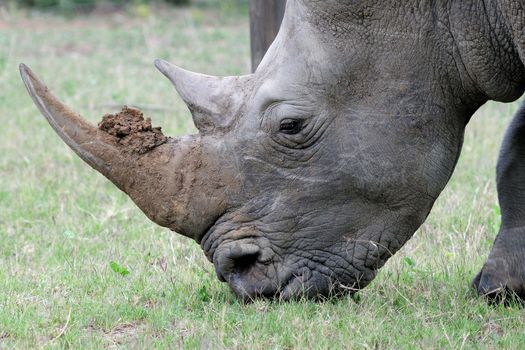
<point>213,101</point>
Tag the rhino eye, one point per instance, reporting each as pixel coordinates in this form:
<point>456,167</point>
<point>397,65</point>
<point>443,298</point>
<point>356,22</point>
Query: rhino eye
<point>291,126</point>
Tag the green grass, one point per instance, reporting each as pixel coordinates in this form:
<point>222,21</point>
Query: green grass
<point>68,236</point>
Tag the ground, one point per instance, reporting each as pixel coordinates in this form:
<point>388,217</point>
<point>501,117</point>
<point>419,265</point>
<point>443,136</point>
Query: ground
<point>82,267</point>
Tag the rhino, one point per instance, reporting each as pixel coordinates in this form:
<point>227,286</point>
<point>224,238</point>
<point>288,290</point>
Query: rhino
<point>306,176</point>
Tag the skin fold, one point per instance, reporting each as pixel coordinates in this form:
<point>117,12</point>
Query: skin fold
<point>309,174</point>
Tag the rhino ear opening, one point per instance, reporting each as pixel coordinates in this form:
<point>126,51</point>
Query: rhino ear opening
<point>211,100</point>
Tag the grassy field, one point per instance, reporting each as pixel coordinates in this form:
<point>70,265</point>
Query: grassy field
<point>62,224</point>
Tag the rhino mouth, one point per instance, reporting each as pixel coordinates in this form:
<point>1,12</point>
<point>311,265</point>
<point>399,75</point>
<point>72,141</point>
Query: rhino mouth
<point>293,287</point>
<point>302,283</point>
<point>254,268</point>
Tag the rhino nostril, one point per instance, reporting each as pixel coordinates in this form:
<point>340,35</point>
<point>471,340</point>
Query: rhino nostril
<point>244,263</point>
<point>236,259</point>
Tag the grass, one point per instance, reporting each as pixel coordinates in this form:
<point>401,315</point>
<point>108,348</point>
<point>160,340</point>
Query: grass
<point>82,267</point>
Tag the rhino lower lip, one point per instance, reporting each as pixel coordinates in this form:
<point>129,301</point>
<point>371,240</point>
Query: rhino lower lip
<point>284,291</point>
<point>295,286</point>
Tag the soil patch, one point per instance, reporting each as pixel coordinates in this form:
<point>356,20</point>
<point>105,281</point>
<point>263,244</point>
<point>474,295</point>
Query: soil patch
<point>132,131</point>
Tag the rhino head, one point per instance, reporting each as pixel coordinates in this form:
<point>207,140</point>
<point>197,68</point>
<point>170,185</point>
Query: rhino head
<point>307,175</point>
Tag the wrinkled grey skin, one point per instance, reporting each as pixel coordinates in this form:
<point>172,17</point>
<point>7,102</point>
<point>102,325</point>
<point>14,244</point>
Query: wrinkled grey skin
<point>332,154</point>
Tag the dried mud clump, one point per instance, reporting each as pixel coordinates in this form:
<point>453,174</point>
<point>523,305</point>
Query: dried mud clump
<point>133,132</point>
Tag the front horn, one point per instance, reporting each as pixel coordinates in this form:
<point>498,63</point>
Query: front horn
<point>91,144</point>
<point>170,182</point>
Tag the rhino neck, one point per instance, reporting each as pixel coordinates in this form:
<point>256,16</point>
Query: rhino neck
<point>483,47</point>
<point>513,14</point>
<point>472,47</point>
